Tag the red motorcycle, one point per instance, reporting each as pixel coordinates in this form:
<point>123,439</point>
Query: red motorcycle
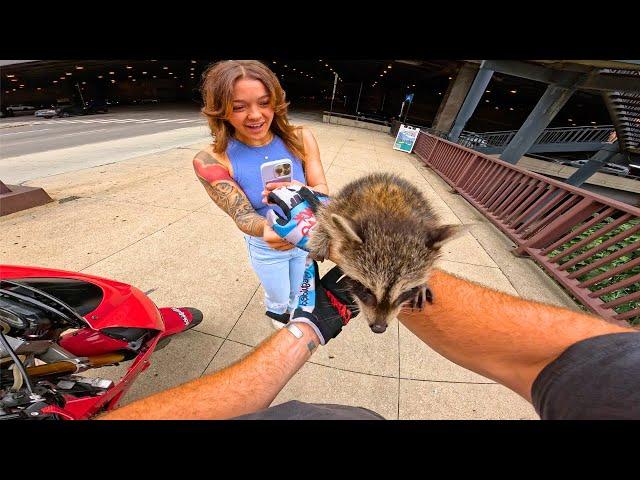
<point>55,324</point>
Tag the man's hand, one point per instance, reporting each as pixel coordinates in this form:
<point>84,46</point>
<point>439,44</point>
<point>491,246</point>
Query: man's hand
<point>299,204</point>
<point>324,304</point>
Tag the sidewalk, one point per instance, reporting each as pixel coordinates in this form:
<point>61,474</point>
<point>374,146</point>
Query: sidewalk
<point>147,221</point>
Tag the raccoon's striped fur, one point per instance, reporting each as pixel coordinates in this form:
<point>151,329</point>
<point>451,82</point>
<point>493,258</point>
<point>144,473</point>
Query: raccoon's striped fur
<point>385,237</point>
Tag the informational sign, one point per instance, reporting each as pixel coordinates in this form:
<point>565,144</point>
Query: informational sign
<point>406,138</point>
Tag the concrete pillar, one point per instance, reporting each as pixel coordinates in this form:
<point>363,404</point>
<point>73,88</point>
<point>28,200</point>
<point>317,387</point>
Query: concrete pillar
<point>605,154</point>
<point>545,110</point>
<point>471,101</point>
<point>454,97</point>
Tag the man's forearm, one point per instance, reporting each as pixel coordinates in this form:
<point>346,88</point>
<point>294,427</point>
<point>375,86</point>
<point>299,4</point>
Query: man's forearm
<point>245,387</point>
<point>499,336</point>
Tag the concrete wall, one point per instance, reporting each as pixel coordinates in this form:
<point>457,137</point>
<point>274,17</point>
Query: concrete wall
<point>351,122</point>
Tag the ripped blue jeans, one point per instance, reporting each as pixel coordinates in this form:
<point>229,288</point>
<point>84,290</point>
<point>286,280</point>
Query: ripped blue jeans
<point>280,273</point>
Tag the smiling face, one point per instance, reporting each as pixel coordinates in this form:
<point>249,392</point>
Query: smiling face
<point>252,112</point>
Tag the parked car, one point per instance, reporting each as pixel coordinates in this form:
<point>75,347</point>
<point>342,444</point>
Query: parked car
<point>20,108</point>
<point>69,109</point>
<point>46,113</point>
<point>611,168</point>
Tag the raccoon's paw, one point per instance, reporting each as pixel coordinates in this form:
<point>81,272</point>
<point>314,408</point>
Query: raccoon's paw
<point>318,252</point>
<point>422,296</point>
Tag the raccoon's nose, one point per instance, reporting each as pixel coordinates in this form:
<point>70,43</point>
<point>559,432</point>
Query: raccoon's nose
<point>376,328</point>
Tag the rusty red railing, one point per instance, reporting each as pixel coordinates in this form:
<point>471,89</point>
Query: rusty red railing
<point>589,243</point>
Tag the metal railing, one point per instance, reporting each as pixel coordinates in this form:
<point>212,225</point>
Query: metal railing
<point>589,243</point>
<point>555,136</point>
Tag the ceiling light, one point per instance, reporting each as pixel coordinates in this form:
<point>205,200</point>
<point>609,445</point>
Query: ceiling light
<point>79,67</point>
<point>511,108</point>
<point>165,68</point>
<point>274,62</point>
<point>144,73</point>
<point>488,91</point>
<point>134,80</point>
<point>497,108</point>
<point>63,78</point>
<point>593,123</point>
<point>129,76</point>
<point>189,69</point>
<point>193,61</point>
<point>154,76</point>
<point>113,81</point>
<point>569,119</point>
<point>384,71</point>
<point>513,91</point>
<point>112,73</point>
<point>38,88</point>
<point>450,78</point>
<point>14,79</point>
<point>84,83</point>
<point>486,101</point>
<point>388,66</point>
<point>10,76</point>
<point>99,76</point>
<point>68,73</point>
<point>55,81</point>
<point>21,85</point>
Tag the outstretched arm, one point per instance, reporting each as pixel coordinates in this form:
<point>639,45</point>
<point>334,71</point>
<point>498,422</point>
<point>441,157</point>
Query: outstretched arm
<point>505,338</point>
<point>245,387</point>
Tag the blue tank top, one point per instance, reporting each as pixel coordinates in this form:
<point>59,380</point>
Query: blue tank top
<point>246,161</point>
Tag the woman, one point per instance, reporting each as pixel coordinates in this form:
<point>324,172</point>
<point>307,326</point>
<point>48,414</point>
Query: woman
<point>247,114</point>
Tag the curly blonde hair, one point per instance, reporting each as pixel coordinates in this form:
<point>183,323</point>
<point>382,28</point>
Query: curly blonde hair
<point>217,96</point>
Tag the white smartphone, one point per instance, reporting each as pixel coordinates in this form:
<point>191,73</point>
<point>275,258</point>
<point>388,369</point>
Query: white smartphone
<point>276,171</point>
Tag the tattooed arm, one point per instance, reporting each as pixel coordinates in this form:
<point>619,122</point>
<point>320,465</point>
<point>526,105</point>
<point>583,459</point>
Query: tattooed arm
<point>227,194</point>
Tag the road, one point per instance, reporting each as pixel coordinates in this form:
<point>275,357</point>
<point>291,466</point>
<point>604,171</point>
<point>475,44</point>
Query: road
<point>27,134</point>
<point>32,148</point>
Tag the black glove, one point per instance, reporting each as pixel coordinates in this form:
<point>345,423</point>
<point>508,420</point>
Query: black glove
<point>299,204</point>
<point>324,303</point>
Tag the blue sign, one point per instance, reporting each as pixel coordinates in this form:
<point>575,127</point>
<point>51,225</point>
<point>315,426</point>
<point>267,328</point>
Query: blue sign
<point>409,98</point>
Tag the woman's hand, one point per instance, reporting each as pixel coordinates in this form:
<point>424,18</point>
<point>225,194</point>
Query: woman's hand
<point>273,239</point>
<point>273,185</point>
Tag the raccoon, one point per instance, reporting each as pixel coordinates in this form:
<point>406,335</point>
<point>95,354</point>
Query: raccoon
<point>385,237</point>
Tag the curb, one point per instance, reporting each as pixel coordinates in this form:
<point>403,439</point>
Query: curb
<point>13,125</point>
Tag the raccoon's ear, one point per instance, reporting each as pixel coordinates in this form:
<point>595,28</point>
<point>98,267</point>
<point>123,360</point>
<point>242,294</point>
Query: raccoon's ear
<point>345,227</point>
<point>438,236</point>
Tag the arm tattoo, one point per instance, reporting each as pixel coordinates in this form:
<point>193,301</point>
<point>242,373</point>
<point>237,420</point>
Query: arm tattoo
<point>228,195</point>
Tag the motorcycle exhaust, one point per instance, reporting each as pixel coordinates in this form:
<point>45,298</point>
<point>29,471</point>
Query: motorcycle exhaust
<point>66,366</point>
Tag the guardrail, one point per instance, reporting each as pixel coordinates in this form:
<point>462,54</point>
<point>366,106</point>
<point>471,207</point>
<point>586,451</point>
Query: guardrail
<point>588,137</point>
<point>589,243</point>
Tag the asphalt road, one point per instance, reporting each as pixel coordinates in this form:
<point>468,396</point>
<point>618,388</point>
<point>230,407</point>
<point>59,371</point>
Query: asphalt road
<point>23,135</point>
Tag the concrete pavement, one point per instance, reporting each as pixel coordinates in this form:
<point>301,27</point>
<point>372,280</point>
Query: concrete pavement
<point>147,221</point>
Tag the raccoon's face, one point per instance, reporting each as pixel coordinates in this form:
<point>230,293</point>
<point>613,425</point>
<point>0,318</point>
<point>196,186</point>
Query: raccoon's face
<point>380,305</point>
<point>387,262</point>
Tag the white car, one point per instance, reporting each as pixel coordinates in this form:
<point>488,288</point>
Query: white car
<point>46,113</point>
<point>20,108</point>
